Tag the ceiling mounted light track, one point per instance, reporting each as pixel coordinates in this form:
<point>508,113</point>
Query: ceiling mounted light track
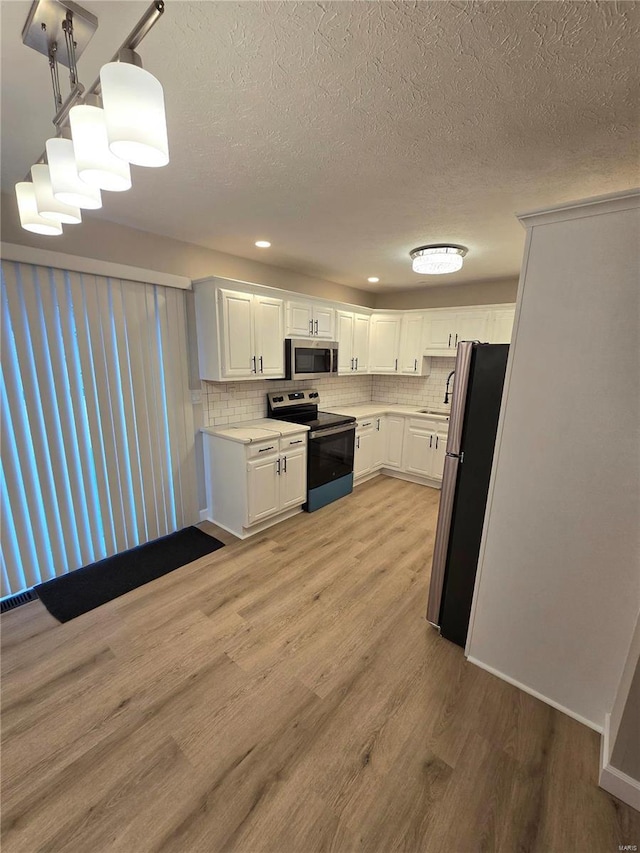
<point>119,120</point>
<point>437,258</point>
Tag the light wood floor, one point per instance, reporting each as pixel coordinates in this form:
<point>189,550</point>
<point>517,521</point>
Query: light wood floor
<point>285,694</point>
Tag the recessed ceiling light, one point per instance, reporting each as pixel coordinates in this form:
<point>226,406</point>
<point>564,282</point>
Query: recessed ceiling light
<point>263,244</point>
<point>437,259</point>
<point>373,279</point>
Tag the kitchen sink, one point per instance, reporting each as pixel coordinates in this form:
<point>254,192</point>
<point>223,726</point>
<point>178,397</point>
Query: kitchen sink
<point>432,412</point>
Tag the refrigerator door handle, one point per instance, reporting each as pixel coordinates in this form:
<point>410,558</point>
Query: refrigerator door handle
<point>441,546</point>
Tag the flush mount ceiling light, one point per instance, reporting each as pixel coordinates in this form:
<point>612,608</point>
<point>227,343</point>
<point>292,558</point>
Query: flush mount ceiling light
<point>437,259</point>
<point>373,279</point>
<point>262,244</point>
<point>118,120</point>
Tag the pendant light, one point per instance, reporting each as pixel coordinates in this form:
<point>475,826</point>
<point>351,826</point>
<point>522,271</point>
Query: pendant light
<point>134,111</point>
<point>65,182</point>
<point>47,204</point>
<point>96,164</point>
<point>93,145</point>
<point>30,219</point>
<point>437,259</point>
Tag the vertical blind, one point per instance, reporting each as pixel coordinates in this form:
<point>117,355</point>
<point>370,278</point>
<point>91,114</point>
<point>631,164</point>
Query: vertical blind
<point>97,436</point>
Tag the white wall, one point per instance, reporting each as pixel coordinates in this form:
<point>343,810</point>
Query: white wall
<point>558,590</point>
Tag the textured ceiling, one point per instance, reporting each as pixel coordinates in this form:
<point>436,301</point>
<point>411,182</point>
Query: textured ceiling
<point>348,133</point>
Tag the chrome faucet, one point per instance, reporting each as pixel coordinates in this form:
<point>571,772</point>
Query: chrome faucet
<point>446,394</point>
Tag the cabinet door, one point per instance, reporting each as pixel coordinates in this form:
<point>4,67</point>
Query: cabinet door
<point>262,488</point>
<point>501,325</point>
<point>379,440</point>
<point>345,342</point>
<point>442,331</point>
<point>293,478</point>
<point>363,455</point>
<point>324,322</point>
<point>412,344</point>
<point>439,451</point>
<point>361,323</point>
<point>269,336</point>
<point>472,326</point>
<point>237,334</point>
<point>385,337</point>
<point>299,319</point>
<point>418,451</point>
<point>394,428</point>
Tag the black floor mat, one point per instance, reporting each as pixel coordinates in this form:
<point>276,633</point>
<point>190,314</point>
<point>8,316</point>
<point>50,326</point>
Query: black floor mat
<point>83,589</point>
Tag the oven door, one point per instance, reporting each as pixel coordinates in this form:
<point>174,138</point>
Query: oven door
<point>330,454</point>
<point>308,359</point>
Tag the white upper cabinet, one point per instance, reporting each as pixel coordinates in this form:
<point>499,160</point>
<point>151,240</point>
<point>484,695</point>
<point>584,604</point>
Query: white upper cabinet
<point>240,335</point>
<point>353,342</point>
<point>446,328</point>
<point>412,345</point>
<point>310,320</point>
<point>384,351</point>
<point>501,325</point>
<point>269,336</point>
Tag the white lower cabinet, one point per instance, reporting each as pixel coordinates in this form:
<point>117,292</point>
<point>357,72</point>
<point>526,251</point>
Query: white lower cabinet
<point>251,486</point>
<point>401,445</point>
<point>425,446</point>
<point>394,439</point>
<point>364,447</point>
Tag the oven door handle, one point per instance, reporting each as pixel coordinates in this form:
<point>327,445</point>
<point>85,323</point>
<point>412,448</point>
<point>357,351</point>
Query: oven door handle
<point>320,433</point>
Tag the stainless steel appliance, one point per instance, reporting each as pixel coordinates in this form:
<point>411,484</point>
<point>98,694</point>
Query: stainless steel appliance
<point>306,358</point>
<point>330,447</point>
<point>477,394</point>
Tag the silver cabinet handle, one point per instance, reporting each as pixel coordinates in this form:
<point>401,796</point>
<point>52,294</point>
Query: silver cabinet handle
<point>415,364</point>
<point>298,441</point>
<point>436,442</point>
<point>261,370</point>
<point>310,327</point>
<point>278,467</point>
<point>253,369</point>
<point>378,427</point>
<point>396,363</point>
<point>264,449</point>
<point>352,363</point>
<point>456,343</point>
<point>430,441</point>
<point>368,423</point>
<point>358,442</point>
<point>449,344</point>
<point>356,362</point>
<point>316,327</point>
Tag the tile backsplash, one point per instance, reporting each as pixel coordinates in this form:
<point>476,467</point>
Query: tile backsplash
<point>415,390</point>
<point>235,402</point>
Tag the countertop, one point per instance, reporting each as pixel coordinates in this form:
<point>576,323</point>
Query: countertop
<point>259,430</point>
<point>372,410</point>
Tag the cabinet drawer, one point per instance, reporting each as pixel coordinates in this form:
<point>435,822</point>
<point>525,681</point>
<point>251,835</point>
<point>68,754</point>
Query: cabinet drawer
<point>299,440</point>
<point>260,449</point>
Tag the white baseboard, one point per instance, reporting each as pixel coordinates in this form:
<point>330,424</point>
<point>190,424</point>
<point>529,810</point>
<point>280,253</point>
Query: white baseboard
<point>612,780</point>
<point>589,723</point>
<point>204,514</point>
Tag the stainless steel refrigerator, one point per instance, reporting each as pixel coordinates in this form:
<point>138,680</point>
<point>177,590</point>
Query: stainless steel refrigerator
<point>475,407</point>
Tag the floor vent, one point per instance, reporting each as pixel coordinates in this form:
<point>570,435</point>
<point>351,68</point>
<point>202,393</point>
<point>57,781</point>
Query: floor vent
<point>16,600</point>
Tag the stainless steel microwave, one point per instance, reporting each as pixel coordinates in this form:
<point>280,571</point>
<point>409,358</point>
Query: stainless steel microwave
<point>306,358</point>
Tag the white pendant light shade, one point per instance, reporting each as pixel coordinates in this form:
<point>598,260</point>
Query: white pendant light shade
<point>66,185</point>
<point>133,103</point>
<point>49,206</point>
<point>30,219</point>
<point>96,165</point>
<point>437,260</point>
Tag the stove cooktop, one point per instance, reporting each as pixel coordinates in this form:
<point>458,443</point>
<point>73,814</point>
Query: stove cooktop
<point>317,420</point>
<point>301,407</point>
